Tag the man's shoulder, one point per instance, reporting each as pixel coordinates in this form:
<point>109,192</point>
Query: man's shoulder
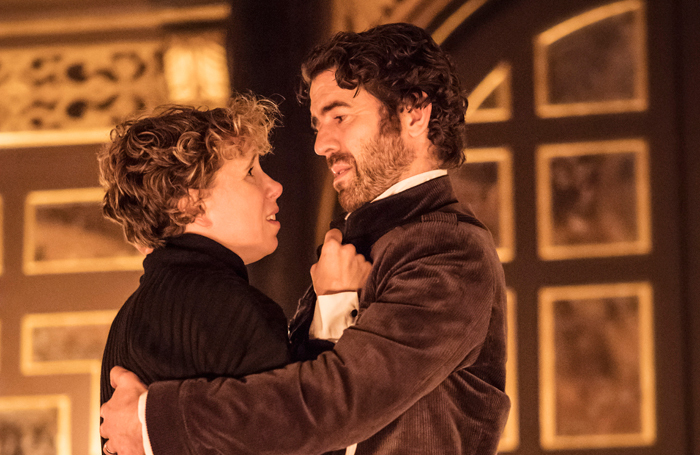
<point>438,227</point>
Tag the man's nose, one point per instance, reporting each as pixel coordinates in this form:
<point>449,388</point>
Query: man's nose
<point>326,143</point>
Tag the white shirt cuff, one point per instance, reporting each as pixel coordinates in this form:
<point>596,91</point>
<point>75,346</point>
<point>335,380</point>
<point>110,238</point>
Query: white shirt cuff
<point>142,418</point>
<point>333,314</point>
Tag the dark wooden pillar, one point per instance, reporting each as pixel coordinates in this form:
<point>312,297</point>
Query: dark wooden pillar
<point>689,37</point>
<point>267,42</point>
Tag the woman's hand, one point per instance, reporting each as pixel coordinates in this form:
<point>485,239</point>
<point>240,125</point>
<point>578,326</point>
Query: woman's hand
<point>340,268</point>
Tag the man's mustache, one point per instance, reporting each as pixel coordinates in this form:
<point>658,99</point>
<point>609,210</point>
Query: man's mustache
<point>340,157</point>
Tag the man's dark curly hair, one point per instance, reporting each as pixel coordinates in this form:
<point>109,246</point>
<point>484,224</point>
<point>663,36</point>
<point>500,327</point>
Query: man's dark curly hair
<point>397,64</point>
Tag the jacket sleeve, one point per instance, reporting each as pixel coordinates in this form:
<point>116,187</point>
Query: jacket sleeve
<point>434,289</point>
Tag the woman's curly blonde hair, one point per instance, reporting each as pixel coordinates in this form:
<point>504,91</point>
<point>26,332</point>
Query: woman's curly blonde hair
<point>153,162</point>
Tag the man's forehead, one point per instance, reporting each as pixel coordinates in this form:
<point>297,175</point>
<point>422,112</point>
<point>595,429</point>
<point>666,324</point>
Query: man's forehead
<point>325,94</point>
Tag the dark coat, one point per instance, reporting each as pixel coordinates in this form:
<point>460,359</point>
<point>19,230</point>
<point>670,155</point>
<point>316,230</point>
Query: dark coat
<point>422,371</point>
<point>195,315</point>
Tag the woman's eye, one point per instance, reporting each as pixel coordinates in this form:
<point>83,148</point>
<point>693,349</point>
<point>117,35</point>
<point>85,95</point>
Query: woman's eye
<point>250,171</point>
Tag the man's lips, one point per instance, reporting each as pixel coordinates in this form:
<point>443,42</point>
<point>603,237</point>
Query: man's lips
<point>340,169</point>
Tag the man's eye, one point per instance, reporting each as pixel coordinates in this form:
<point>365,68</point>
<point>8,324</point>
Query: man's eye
<point>250,171</point>
<point>340,118</point>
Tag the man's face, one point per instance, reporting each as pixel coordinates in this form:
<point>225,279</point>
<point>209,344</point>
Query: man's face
<point>365,161</point>
<point>240,208</point>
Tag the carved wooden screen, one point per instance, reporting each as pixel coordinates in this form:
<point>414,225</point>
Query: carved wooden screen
<point>570,164</point>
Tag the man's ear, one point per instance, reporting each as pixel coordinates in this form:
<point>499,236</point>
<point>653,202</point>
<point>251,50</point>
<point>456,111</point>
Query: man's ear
<point>415,120</point>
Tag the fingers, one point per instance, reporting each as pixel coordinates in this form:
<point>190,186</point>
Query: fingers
<point>334,235</point>
<point>116,375</point>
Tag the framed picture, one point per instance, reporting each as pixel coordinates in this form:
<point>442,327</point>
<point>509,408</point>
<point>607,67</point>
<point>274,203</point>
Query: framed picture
<point>597,381</point>
<point>35,424</point>
<point>593,63</point>
<point>65,232</point>
<point>593,199</point>
<point>485,183</point>
<point>64,343</point>
<point>510,440</point>
<point>68,343</point>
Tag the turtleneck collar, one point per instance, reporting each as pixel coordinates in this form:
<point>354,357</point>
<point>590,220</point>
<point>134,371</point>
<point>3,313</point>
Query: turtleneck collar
<point>193,249</point>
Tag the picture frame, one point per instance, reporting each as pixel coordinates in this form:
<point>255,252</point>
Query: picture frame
<point>591,84</point>
<point>597,375</point>
<point>36,423</point>
<point>593,199</point>
<point>485,182</point>
<point>68,343</point>
<point>65,232</point>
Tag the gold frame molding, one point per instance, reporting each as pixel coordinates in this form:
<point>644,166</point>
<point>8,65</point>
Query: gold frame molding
<point>30,367</point>
<point>506,217</point>
<point>498,81</point>
<point>61,403</point>
<point>643,245</point>
<point>547,296</point>
<point>53,138</point>
<point>456,19</point>
<point>58,197</point>
<point>147,19</point>
<point>639,103</point>
<point>510,439</point>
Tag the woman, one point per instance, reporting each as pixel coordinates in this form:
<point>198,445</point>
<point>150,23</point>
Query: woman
<point>187,187</point>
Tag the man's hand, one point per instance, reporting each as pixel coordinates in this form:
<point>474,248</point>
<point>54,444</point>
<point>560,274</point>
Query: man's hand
<point>340,268</point>
<point>121,425</point>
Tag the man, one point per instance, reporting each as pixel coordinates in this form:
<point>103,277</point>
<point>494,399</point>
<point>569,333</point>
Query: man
<point>422,370</point>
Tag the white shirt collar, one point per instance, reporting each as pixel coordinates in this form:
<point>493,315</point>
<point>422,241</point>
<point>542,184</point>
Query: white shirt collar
<point>410,182</point>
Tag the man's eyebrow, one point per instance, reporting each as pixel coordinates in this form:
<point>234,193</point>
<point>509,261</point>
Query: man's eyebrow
<point>325,109</point>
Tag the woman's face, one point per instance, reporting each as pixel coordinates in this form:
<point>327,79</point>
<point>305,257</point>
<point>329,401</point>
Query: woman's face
<point>240,209</point>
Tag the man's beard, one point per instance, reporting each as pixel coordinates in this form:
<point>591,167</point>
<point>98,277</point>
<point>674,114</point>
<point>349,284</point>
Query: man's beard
<point>383,160</point>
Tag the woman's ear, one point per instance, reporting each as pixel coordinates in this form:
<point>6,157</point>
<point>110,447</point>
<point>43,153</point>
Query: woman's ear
<point>415,120</point>
<point>194,203</point>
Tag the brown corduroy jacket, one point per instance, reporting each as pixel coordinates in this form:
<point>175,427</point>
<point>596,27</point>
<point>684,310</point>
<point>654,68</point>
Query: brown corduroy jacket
<point>421,372</point>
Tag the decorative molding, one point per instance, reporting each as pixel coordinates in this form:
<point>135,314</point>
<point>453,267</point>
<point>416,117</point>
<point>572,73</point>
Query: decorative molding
<point>50,138</point>
<point>148,19</point>
<point>463,13</point>
<point>510,439</point>
<point>83,87</point>
<point>2,236</point>
<point>496,86</point>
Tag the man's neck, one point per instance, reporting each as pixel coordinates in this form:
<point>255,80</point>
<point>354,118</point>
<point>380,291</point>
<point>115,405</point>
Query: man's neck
<point>410,182</point>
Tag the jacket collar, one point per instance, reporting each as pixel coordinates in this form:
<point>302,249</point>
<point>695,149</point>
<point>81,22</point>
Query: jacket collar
<point>366,225</point>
